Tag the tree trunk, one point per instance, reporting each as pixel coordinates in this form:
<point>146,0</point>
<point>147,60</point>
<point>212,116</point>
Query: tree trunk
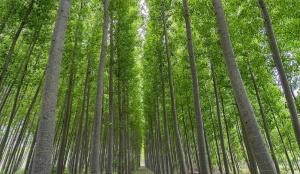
<point>28,163</point>
<point>95,153</point>
<point>68,104</point>
<point>282,141</point>
<point>264,119</point>
<point>14,42</point>
<point>80,140</point>
<point>280,69</point>
<point>262,156</point>
<point>200,125</point>
<point>26,120</point>
<point>231,150</point>
<point>159,139</point>
<point>181,155</point>
<point>284,147</point>
<point>16,98</point>
<point>194,139</point>
<point>165,121</point>
<point>221,134</point>
<point>251,161</point>
<point>215,137</point>
<point>45,135</point>
<point>188,145</point>
<point>111,103</point>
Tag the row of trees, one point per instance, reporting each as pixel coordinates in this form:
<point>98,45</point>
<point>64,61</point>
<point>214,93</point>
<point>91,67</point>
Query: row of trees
<point>237,133</point>
<point>92,87</point>
<point>69,118</point>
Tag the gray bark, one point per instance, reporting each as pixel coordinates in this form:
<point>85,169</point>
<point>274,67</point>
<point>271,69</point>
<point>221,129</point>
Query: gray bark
<point>111,104</point>
<point>200,127</point>
<point>264,119</point>
<point>262,156</point>
<point>165,121</point>
<point>180,153</point>
<point>283,78</point>
<point>95,153</point>
<point>221,134</point>
<point>45,136</point>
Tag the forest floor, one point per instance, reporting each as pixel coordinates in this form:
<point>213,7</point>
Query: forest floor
<point>143,170</point>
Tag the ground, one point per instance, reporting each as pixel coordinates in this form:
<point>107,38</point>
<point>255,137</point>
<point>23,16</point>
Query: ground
<point>143,170</point>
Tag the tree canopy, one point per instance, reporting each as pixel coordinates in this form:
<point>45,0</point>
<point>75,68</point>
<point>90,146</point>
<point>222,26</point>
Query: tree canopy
<point>172,86</point>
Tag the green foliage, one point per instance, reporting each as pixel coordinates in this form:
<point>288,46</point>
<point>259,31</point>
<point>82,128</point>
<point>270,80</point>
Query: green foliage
<point>137,78</point>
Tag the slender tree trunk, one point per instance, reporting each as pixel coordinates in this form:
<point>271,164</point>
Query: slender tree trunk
<point>194,139</point>
<point>80,138</point>
<point>232,156</point>
<point>120,112</point>
<point>284,147</point>
<point>111,103</point>
<point>29,158</point>
<point>282,141</point>
<point>86,135</point>
<point>5,97</point>
<point>165,121</point>
<point>215,137</point>
<point>221,134</point>
<point>95,153</point>
<point>159,138</point>
<point>188,146</point>
<point>262,156</point>
<point>181,155</point>
<point>14,42</point>
<point>68,103</point>
<point>16,98</point>
<point>45,135</point>
<point>291,149</point>
<point>208,153</point>
<point>295,98</point>
<point>26,121</point>
<point>264,119</point>
<point>280,69</point>
<point>200,125</point>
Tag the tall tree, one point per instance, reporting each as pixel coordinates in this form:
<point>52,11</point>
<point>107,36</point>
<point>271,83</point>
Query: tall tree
<point>262,156</point>
<point>165,121</point>
<point>283,78</point>
<point>197,107</point>
<point>11,50</point>
<point>264,119</point>
<point>95,153</point>
<point>45,134</point>
<point>221,134</point>
<point>111,101</point>
<point>179,145</point>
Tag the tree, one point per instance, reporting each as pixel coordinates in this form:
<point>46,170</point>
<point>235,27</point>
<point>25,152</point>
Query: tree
<point>111,102</point>
<point>45,134</point>
<point>283,79</point>
<point>181,155</point>
<point>264,160</point>
<point>95,153</point>
<point>173,94</point>
<point>200,127</point>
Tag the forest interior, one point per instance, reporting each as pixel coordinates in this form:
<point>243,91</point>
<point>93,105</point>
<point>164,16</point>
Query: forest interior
<point>149,86</point>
